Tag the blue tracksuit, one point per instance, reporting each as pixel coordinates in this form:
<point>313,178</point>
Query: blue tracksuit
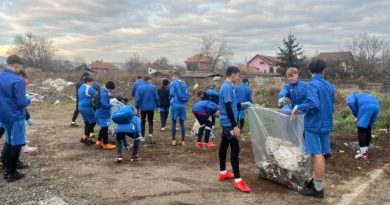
<point>133,127</point>
<point>146,97</point>
<point>364,107</point>
<point>243,94</point>
<point>135,86</point>
<point>205,108</point>
<point>227,94</point>
<point>85,103</point>
<point>178,109</point>
<point>295,92</point>
<point>13,103</point>
<point>211,95</point>
<point>103,113</point>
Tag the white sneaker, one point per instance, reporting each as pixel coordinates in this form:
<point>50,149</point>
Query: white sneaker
<point>142,139</point>
<point>150,135</point>
<point>359,155</point>
<point>163,129</point>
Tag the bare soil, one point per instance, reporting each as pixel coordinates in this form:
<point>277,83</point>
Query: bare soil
<point>66,171</point>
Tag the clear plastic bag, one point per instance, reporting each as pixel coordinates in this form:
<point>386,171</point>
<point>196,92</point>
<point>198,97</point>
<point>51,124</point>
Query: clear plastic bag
<point>278,146</point>
<point>116,104</point>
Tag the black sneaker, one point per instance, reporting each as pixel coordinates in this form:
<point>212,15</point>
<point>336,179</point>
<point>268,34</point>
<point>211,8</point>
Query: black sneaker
<point>21,165</point>
<point>74,124</point>
<point>135,158</point>
<point>309,183</point>
<point>13,177</point>
<point>312,192</point>
<point>327,156</point>
<point>85,141</point>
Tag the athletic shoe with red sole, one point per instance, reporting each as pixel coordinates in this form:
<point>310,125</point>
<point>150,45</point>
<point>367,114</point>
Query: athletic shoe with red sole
<point>227,175</point>
<point>210,144</point>
<point>242,186</point>
<point>199,144</point>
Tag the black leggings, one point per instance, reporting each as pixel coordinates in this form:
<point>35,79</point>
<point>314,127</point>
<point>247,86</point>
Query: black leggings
<point>11,157</point>
<point>226,139</point>
<point>88,128</point>
<point>121,138</point>
<point>150,115</point>
<point>364,136</point>
<point>242,122</point>
<point>103,135</point>
<point>163,118</point>
<point>205,124</point>
<point>76,111</point>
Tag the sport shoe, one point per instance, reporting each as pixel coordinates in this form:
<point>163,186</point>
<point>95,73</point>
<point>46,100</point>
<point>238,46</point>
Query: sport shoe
<point>108,146</point>
<point>227,175</point>
<point>182,142</point>
<point>199,144</point>
<point>174,142</point>
<point>92,135</point>
<point>21,165</point>
<point>163,129</point>
<point>119,158</point>
<point>210,144</point>
<point>73,124</point>
<point>309,183</point>
<point>242,186</point>
<point>362,156</point>
<point>142,139</point>
<point>85,141</point>
<point>13,177</point>
<point>312,192</point>
<point>135,158</point>
<point>99,143</point>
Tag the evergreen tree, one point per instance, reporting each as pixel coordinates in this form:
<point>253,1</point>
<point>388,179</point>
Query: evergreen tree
<point>291,55</point>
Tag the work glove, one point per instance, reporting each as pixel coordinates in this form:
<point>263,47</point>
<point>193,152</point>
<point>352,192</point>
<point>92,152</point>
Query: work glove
<point>282,101</point>
<point>246,105</point>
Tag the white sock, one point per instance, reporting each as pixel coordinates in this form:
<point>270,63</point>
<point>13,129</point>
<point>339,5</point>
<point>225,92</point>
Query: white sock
<point>362,150</point>
<point>237,180</point>
<point>223,172</point>
<point>366,148</point>
<point>318,184</point>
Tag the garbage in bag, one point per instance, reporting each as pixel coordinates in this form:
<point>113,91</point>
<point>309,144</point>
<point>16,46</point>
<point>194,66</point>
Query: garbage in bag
<point>116,104</point>
<point>278,146</point>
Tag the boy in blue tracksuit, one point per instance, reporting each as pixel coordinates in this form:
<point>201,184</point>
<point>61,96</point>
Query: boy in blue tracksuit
<point>202,111</point>
<point>103,116</point>
<point>164,104</point>
<point>178,108</point>
<point>146,101</point>
<point>137,83</point>
<point>230,130</point>
<point>295,91</point>
<point>131,129</point>
<point>319,108</point>
<point>13,103</point>
<point>85,94</point>
<point>243,94</point>
<point>365,108</point>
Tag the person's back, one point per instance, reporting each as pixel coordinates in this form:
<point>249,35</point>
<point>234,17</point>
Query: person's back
<point>163,94</point>
<point>137,83</point>
<point>146,97</point>
<point>174,91</point>
<point>243,93</point>
<point>205,107</point>
<point>85,93</point>
<point>104,110</point>
<point>365,98</point>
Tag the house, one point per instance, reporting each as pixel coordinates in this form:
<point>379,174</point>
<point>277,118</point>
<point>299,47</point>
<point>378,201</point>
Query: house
<point>198,62</point>
<point>263,64</point>
<point>342,59</point>
<point>100,66</point>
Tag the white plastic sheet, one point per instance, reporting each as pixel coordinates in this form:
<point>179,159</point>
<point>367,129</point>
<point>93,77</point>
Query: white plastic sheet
<point>278,145</point>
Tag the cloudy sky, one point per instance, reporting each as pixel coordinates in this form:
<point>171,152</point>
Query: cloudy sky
<point>114,29</point>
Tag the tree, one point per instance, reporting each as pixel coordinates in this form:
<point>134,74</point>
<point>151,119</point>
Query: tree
<point>135,62</point>
<point>291,55</point>
<point>162,61</point>
<point>36,51</point>
<point>218,51</point>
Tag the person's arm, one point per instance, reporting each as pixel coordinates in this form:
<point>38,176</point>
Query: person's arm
<point>156,98</point>
<point>90,91</point>
<point>250,97</point>
<point>105,100</point>
<point>172,90</point>
<point>230,113</point>
<point>353,105</point>
<point>19,92</point>
<point>133,89</point>
<point>283,92</point>
<point>138,98</point>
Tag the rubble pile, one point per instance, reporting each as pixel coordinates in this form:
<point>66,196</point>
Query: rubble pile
<point>51,91</point>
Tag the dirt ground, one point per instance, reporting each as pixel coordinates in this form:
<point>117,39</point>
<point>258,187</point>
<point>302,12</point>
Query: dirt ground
<point>66,171</point>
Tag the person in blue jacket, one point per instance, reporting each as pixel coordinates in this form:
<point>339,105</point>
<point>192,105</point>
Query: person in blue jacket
<point>76,111</point>
<point>131,129</point>
<point>365,107</point>
<point>243,94</point>
<point>163,94</point>
<point>85,94</point>
<point>202,111</point>
<point>178,108</point>
<point>294,90</point>
<point>146,101</point>
<point>103,116</point>
<point>319,108</point>
<point>137,83</point>
<point>13,103</point>
<point>213,96</point>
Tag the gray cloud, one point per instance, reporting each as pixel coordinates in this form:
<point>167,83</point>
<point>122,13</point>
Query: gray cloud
<point>114,29</point>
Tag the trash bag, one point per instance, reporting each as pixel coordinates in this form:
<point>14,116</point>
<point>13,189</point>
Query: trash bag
<point>116,104</point>
<point>278,146</point>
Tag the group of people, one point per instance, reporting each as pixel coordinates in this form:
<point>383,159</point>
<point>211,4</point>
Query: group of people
<point>315,99</point>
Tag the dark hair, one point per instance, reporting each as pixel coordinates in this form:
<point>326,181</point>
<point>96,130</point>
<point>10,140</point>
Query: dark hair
<point>110,85</point>
<point>232,70</point>
<point>139,77</point>
<point>165,82</point>
<point>245,80</point>
<point>146,78</point>
<point>85,74</point>
<point>200,93</point>
<point>176,73</point>
<point>317,66</point>
<point>14,59</point>
<point>87,79</point>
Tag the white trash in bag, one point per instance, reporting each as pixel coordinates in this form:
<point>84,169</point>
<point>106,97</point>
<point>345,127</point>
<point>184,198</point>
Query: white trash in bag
<point>278,147</point>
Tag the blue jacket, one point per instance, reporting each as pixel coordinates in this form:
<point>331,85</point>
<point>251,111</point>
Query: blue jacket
<point>211,95</point>
<point>295,92</point>
<point>135,86</point>
<point>104,111</point>
<point>133,127</point>
<point>206,107</point>
<point>172,91</point>
<point>13,101</point>
<point>243,93</point>
<point>146,97</point>
<point>357,100</point>
<point>319,105</point>
<point>85,96</point>
<point>226,94</point>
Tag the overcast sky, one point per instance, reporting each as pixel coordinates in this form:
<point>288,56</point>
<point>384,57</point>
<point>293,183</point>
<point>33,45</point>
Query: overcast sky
<point>114,29</point>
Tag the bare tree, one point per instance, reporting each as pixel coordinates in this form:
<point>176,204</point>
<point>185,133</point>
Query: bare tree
<point>37,51</point>
<point>78,61</point>
<point>162,61</point>
<point>218,51</point>
<point>135,62</point>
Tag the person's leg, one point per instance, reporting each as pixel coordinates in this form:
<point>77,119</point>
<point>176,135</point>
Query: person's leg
<point>318,162</point>
<point>4,153</point>
<point>182,130</point>
<point>208,131</point>
<point>86,127</point>
<point>223,147</point>
<point>150,121</point>
<point>76,111</point>
<point>166,117</point>
<point>104,134</point>
<point>100,135</point>
<point>143,122</point>
<point>368,136</point>
<point>173,129</point>
<point>242,122</point>
<point>235,150</point>
<point>202,127</point>
<point>162,118</point>
<point>362,138</point>
<point>119,139</point>
<point>182,118</point>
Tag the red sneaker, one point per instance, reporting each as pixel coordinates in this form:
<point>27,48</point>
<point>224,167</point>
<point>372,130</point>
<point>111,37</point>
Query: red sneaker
<point>199,144</point>
<point>242,186</point>
<point>228,175</point>
<point>210,144</point>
